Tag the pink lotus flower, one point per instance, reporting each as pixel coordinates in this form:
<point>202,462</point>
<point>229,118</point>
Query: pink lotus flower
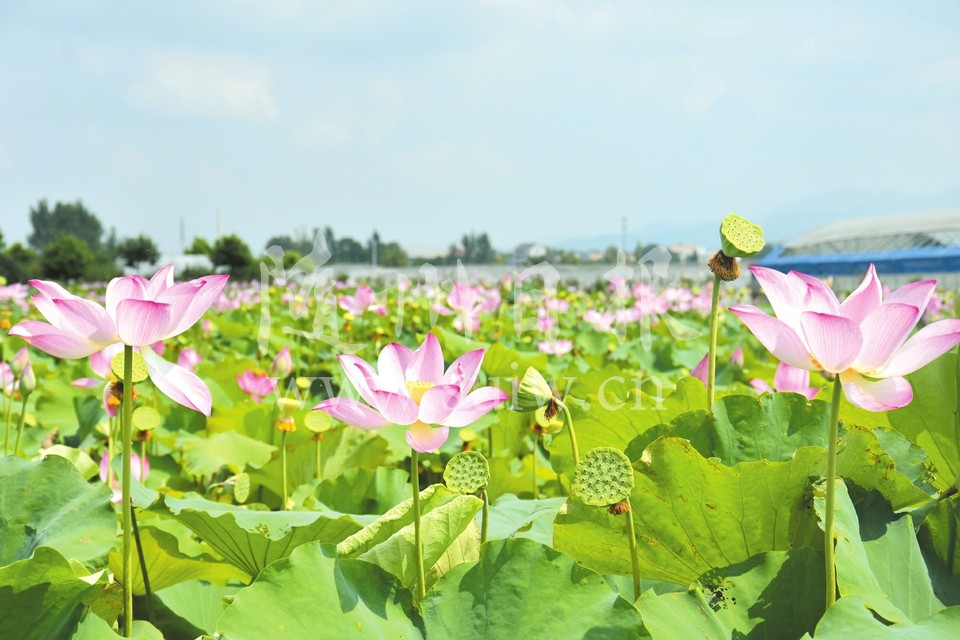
<point>139,468</point>
<point>257,385</point>
<point>138,313</point>
<point>361,300</point>
<point>189,359</point>
<point>411,388</point>
<point>557,348</point>
<point>282,364</point>
<point>788,378</point>
<point>863,339</point>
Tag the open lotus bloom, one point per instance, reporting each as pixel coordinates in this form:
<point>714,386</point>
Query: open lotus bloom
<point>138,313</point>
<point>411,388</point>
<point>863,340</point>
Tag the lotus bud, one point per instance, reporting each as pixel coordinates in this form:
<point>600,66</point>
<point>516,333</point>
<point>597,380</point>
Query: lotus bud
<point>188,359</point>
<point>534,392</point>
<point>282,365</point>
<point>20,361</point>
<point>28,381</point>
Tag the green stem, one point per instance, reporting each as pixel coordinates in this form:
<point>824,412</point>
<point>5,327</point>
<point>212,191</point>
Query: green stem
<point>318,439</point>
<point>573,436</point>
<point>634,556</point>
<point>956,420</point>
<point>9,410</point>
<point>828,549</point>
<point>283,467</point>
<point>534,456</point>
<point>484,516</point>
<point>143,569</point>
<point>490,440</point>
<point>23,415</point>
<point>125,505</point>
<point>712,356</point>
<point>417,540</point>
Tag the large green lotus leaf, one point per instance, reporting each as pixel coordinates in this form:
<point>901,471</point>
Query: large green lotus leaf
<point>940,543</point>
<point>505,363</point>
<point>454,345</point>
<point>192,607</point>
<point>93,627</point>
<point>206,456</point>
<point>879,560</point>
<point>747,428</point>
<point>693,514</point>
<point>48,503</point>
<point>253,539</point>
<point>852,619</point>
<point>365,491</point>
<point>166,566</point>
<point>314,592</point>
<point>448,531</point>
<point>523,589</point>
<point>757,435</point>
<point>42,597</point>
<point>930,420</point>
<point>512,517</point>
<point>613,422</point>
<point>778,594</point>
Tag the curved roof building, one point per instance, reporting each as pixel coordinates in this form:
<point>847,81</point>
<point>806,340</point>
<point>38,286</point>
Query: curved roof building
<point>909,245</point>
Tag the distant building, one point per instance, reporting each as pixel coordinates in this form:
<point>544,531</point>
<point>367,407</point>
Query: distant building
<point>911,245</point>
<point>529,252</point>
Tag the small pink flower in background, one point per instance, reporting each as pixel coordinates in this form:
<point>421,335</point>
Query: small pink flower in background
<point>602,322</point>
<point>189,359</point>
<point>557,348</point>
<point>411,388</point>
<point>702,371</point>
<point>788,378</point>
<point>256,385</point>
<point>282,364</point>
<point>736,358</point>
<point>863,340</point>
<point>139,469</point>
<point>7,379</point>
<point>362,300</point>
<point>138,313</point>
<point>20,361</point>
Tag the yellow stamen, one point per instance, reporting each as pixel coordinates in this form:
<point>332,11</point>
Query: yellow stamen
<point>417,388</point>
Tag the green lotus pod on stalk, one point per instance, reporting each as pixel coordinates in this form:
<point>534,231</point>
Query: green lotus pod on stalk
<point>739,237</point>
<point>534,392</point>
<point>146,418</point>
<point>139,367</point>
<point>467,472</point>
<point>240,487</point>
<point>603,478</point>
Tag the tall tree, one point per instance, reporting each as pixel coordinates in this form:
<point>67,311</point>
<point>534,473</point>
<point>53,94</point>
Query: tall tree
<point>137,250</point>
<point>199,247</point>
<point>66,258</point>
<point>65,218</point>
<point>232,252</point>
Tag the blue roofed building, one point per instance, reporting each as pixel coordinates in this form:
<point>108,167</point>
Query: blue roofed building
<point>905,247</point>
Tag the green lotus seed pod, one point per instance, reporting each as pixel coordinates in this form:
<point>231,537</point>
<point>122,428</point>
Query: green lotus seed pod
<point>467,472</point>
<point>603,477</point>
<point>740,238</point>
<point>146,418</point>
<point>139,367</point>
<point>241,487</point>
<point>317,421</point>
<point>534,392</point>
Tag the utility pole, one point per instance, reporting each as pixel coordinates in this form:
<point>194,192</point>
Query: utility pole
<point>374,242</point>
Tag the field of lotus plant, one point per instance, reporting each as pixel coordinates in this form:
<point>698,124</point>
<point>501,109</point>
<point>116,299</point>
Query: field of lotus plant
<point>300,457</point>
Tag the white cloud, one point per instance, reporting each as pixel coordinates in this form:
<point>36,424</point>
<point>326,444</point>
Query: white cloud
<point>324,133</point>
<point>457,163</point>
<point>209,86</point>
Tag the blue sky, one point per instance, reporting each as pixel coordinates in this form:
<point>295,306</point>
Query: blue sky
<point>528,120</point>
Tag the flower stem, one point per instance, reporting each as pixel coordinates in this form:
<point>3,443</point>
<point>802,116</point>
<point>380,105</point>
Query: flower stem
<point>573,436</point>
<point>484,516</point>
<point>956,418</point>
<point>634,557</point>
<point>127,544</point>
<point>828,549</point>
<point>143,569</point>
<point>417,540</point>
<point>534,456</point>
<point>319,439</point>
<point>283,467</point>
<point>712,356</point>
<point>23,415</point>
